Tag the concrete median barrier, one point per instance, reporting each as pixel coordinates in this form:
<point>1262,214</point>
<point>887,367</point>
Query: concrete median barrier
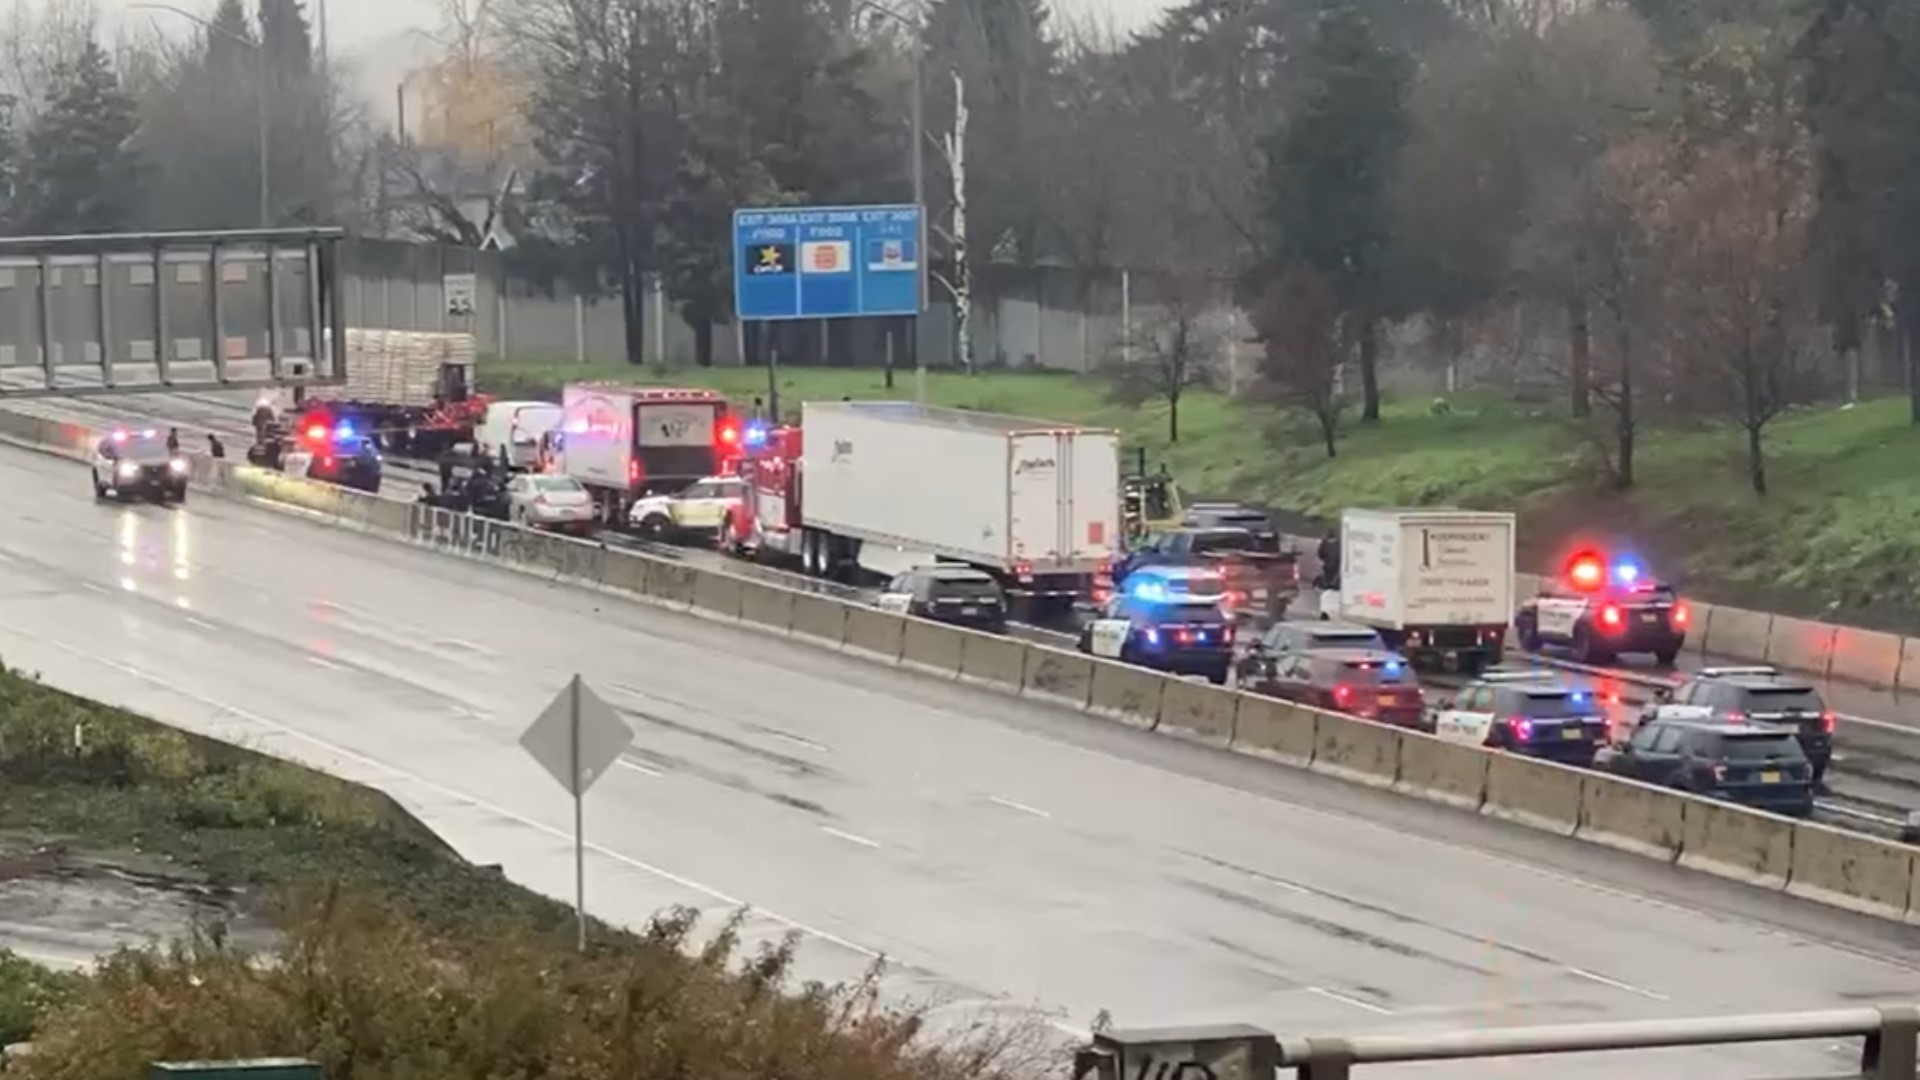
<point>1630,816</point>
<point>1735,842</point>
<point>717,594</point>
<point>1852,871</point>
<point>875,633</point>
<point>931,647</point>
<point>578,560</point>
<point>387,516</point>
<point>993,659</point>
<point>1128,694</point>
<point>824,619</point>
<point>766,605</point>
<point>1538,794</point>
<point>626,572</point>
<point>1699,625</point>
<point>1270,728</point>
<point>1909,677</point>
<point>1198,711</point>
<point>1058,675</point>
<point>1357,750</point>
<point>1801,645</point>
<point>672,583</point>
<point>1442,771</point>
<point>1866,656</point>
<point>1741,635</point>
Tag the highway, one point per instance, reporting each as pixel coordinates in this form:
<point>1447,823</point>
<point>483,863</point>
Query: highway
<point>997,851</point>
<point>1876,775</point>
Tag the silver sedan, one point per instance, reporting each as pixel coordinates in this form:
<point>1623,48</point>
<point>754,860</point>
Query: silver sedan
<point>549,502</point>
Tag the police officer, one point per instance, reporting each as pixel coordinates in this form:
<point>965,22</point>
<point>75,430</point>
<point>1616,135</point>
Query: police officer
<point>215,448</point>
<point>173,440</point>
<point>1329,561</point>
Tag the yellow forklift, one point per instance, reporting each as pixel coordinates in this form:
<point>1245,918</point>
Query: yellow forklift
<point>1149,503</point>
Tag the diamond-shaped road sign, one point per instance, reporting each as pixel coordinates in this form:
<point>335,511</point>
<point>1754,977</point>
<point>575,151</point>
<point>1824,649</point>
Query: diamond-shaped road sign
<point>577,737</point>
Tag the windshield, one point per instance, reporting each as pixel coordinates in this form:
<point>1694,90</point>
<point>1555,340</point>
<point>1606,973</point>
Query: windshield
<point>1770,699</point>
<point>1555,705</point>
<point>966,589</point>
<point>1759,747</point>
<point>561,485</point>
<point>1187,611</point>
<point>144,450</point>
<point>1226,543</point>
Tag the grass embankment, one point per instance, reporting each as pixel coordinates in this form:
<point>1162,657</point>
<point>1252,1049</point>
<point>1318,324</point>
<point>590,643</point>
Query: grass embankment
<point>1839,534</point>
<point>396,959</point>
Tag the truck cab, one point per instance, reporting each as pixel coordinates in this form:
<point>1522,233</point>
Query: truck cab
<point>1261,579</point>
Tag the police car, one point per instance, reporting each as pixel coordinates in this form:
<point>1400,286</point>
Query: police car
<point>1601,611</point>
<point>1526,712</point>
<point>1752,694</point>
<point>138,464</point>
<point>1167,618</point>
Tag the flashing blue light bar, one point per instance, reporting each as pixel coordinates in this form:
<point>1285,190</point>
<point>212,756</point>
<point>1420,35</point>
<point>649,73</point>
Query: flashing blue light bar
<point>756,435</point>
<point>1149,592</point>
<point>1579,697</point>
<point>343,432</point>
<point>1391,667</point>
<point>1626,571</point>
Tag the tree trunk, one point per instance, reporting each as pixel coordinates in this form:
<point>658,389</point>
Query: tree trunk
<point>703,341</point>
<point>1173,416</point>
<point>1327,433</point>
<point>1369,371</point>
<point>1580,356</point>
<point>1623,475</point>
<point>1756,460</point>
<point>1907,360</point>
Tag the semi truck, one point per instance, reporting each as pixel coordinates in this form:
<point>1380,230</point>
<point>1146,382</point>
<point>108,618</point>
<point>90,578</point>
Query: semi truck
<point>1436,583</point>
<point>1035,504</point>
<point>627,442</point>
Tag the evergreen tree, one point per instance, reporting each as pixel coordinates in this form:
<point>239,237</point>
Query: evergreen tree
<point>79,172</point>
<point>229,45</point>
<point>1328,171</point>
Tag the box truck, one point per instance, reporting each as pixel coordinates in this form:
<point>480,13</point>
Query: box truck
<point>1035,504</point>
<point>1436,583</point>
<point>624,442</point>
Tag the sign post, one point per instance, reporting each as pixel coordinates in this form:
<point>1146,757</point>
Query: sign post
<point>576,738</point>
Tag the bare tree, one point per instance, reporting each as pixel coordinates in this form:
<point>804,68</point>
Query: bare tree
<point>1299,322</point>
<point>1179,345</point>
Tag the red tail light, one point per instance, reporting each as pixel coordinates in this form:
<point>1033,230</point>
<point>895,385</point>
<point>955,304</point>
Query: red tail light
<point>1521,727</point>
<point>1827,721</point>
<point>1611,618</point>
<point>326,463</point>
<point>1682,615</point>
<point>1023,571</point>
<point>1735,716</point>
<point>633,472</point>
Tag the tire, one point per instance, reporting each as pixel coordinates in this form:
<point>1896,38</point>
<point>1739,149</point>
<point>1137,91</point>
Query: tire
<point>1527,632</point>
<point>1666,657</point>
<point>99,489</point>
<point>1585,649</point>
<point>1217,678</point>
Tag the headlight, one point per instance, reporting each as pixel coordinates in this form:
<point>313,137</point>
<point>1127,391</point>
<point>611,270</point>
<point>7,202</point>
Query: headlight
<point>128,468</point>
<point>179,466</point>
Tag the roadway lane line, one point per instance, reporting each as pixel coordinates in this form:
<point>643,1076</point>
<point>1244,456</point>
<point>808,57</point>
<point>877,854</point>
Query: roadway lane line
<point>1018,806</point>
<point>1616,984</point>
<point>637,767</point>
<point>1335,995</point>
<point>473,801</point>
<point>321,661</point>
<point>849,837</point>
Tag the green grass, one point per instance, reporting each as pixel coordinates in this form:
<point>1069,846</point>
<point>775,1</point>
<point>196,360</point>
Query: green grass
<point>1838,534</point>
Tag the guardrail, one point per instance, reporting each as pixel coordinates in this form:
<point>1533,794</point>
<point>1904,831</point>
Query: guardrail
<point>1888,1034</point>
<point>1805,859</point>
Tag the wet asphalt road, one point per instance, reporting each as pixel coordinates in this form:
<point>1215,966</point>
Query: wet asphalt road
<point>996,851</point>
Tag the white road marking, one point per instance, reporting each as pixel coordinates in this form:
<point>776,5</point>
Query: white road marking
<point>1616,984</point>
<point>321,661</point>
<point>1021,807</point>
<point>849,837</point>
<point>1334,995</point>
<point>464,646</point>
<point>478,803</point>
<point>92,586</point>
<point>203,624</point>
<point>798,741</point>
<point>639,768</point>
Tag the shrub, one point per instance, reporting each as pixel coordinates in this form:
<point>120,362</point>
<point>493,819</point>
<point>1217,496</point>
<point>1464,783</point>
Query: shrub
<point>28,990</point>
<point>372,994</point>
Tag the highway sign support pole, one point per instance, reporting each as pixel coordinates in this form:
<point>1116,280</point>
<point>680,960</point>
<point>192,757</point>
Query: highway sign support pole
<point>576,739</point>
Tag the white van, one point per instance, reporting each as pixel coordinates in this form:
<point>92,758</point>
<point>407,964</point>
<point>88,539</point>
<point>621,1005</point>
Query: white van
<point>511,431</point>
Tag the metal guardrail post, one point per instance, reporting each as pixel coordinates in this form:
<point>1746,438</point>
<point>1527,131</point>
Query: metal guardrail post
<point>105,314</point>
<point>216,312</point>
<point>47,273</point>
<point>162,326</point>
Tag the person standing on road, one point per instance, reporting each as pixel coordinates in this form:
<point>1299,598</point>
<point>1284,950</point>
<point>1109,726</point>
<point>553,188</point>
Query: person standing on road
<point>173,440</point>
<point>215,448</point>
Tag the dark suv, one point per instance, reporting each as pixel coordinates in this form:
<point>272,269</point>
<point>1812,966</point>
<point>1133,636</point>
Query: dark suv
<point>1752,766</point>
<point>1753,695</point>
<point>957,595</point>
